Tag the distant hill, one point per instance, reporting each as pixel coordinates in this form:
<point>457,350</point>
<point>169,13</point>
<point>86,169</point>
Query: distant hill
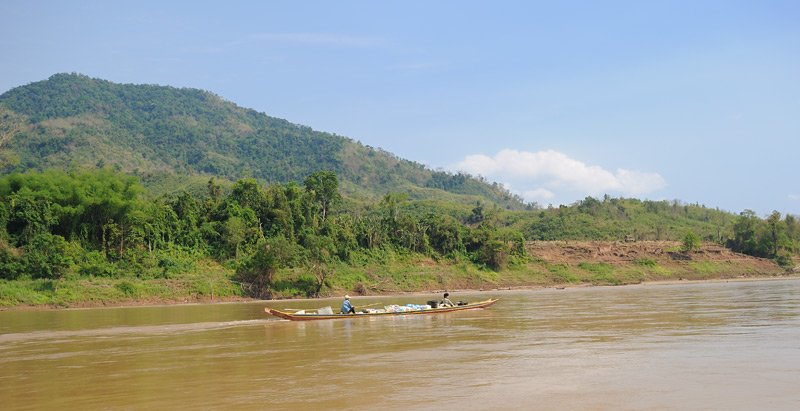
<point>177,138</point>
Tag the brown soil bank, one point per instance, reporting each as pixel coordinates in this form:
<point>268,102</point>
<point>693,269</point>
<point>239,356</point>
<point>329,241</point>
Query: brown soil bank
<point>640,261</point>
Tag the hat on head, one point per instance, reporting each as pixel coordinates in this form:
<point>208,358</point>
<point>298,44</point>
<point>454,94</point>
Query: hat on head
<point>347,297</point>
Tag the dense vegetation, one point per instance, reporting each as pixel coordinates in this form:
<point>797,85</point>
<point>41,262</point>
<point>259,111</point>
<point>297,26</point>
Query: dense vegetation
<point>131,189</point>
<point>297,240</point>
<point>73,121</point>
<point>98,224</point>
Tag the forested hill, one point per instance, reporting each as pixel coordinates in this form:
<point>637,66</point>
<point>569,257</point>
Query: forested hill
<point>159,132</point>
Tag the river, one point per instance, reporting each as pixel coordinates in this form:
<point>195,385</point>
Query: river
<point>718,346</point>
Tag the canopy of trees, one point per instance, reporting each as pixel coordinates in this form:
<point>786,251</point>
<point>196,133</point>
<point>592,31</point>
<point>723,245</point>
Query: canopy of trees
<point>99,223</point>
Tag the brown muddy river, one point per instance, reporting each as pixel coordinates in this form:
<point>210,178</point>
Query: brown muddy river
<point>718,346</point>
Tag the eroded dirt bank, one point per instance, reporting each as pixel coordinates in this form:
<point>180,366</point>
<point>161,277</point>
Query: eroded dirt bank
<point>657,256</point>
<point>624,253</point>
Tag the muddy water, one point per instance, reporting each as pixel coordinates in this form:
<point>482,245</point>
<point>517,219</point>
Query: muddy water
<point>690,346</point>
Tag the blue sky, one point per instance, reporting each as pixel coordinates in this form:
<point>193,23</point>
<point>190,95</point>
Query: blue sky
<point>697,101</point>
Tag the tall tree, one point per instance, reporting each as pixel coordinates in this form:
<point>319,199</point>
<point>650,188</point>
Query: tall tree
<point>744,230</point>
<point>776,228</point>
<point>324,187</point>
<point>214,190</point>
<point>235,230</point>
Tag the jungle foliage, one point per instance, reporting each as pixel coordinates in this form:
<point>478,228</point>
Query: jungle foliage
<point>99,223</point>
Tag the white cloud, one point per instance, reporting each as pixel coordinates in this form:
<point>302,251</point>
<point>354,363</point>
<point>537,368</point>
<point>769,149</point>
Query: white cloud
<point>539,194</point>
<point>478,164</point>
<point>637,182</point>
<point>547,174</point>
<point>794,197</point>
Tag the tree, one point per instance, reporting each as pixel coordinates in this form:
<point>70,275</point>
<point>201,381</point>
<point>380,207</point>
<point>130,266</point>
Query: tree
<point>257,272</point>
<point>391,205</point>
<point>324,187</point>
<point>248,194</point>
<point>214,190</point>
<point>477,214</point>
<point>47,256</point>
<point>445,234</point>
<point>11,265</point>
<point>321,275</point>
<point>744,231</point>
<point>776,228</point>
<point>30,214</point>
<point>792,231</point>
<point>235,229</point>
<point>690,242</point>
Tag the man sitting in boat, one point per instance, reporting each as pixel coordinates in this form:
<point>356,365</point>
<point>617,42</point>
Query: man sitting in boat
<point>347,307</point>
<point>446,301</point>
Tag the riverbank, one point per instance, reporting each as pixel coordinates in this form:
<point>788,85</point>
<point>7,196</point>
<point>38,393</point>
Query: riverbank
<point>154,302</point>
<point>563,264</point>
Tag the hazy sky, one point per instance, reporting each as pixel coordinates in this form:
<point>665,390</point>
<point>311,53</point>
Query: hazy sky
<point>695,100</point>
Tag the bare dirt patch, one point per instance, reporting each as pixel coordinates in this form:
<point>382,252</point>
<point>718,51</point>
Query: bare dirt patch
<point>629,254</point>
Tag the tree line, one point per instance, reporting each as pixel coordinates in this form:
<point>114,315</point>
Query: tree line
<point>774,237</point>
<point>99,223</point>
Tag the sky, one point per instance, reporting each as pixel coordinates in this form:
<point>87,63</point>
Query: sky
<point>696,101</point>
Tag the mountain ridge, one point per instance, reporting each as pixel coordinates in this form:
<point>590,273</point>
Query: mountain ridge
<point>75,121</point>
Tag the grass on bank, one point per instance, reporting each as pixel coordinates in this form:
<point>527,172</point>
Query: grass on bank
<point>75,290</point>
<point>209,281</point>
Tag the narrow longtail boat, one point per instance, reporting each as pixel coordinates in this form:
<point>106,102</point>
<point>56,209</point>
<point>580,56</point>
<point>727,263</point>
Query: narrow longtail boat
<point>406,310</point>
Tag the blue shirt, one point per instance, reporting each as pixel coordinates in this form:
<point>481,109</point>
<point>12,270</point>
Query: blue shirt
<point>346,306</point>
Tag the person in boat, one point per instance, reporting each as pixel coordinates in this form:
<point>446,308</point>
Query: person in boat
<point>347,307</point>
<point>446,301</point>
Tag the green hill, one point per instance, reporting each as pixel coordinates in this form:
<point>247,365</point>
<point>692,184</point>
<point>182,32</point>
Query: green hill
<point>74,121</point>
<point>219,211</point>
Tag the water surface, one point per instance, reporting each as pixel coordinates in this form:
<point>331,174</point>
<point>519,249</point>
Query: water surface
<point>689,346</point>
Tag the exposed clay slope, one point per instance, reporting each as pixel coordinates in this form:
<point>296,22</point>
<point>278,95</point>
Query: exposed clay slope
<point>665,254</point>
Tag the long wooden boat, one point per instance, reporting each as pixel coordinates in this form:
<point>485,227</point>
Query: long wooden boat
<point>308,316</point>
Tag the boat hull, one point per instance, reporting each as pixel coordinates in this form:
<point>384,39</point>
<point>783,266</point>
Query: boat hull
<point>438,310</point>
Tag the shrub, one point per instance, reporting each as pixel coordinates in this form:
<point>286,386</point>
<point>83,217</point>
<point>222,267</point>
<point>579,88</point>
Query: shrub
<point>172,265</point>
<point>11,267</point>
<point>46,256</point>
<point>127,288</point>
<point>690,242</point>
<point>784,259</point>
<point>257,271</point>
<point>99,269</point>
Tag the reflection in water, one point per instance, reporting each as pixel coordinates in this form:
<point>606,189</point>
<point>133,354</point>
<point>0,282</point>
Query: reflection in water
<point>716,346</point>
